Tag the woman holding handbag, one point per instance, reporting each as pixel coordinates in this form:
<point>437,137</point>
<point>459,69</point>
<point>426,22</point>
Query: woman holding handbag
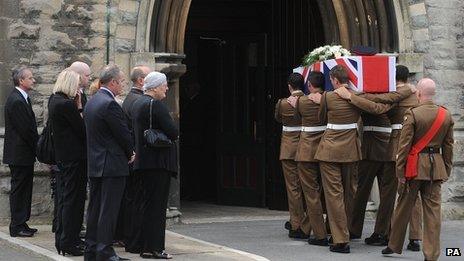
<point>156,162</point>
<point>70,154</point>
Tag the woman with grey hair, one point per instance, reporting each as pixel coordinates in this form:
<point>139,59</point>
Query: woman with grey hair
<point>70,154</point>
<point>155,165</point>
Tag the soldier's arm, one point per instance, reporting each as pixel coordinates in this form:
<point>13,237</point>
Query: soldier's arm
<point>390,97</point>
<point>405,143</point>
<point>369,106</point>
<point>447,148</point>
<point>277,114</point>
<point>323,108</point>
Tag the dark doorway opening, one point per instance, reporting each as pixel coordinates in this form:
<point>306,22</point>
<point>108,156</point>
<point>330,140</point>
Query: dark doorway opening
<point>238,56</point>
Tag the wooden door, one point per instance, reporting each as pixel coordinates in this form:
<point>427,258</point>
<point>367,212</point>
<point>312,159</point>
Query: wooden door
<point>240,134</point>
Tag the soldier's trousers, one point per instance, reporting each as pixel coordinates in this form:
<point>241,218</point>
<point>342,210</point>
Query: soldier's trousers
<point>310,175</point>
<point>295,196</point>
<point>388,184</point>
<point>415,222</point>
<point>431,206</point>
<point>339,182</point>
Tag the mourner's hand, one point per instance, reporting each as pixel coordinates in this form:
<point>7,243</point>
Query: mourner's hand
<point>315,97</point>
<point>292,100</point>
<point>132,159</point>
<point>401,180</point>
<point>77,100</point>
<point>343,92</point>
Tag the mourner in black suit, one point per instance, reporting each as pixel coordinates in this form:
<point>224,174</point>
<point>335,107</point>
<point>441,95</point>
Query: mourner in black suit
<point>109,149</point>
<point>155,166</point>
<point>70,154</point>
<point>130,218</point>
<point>19,151</point>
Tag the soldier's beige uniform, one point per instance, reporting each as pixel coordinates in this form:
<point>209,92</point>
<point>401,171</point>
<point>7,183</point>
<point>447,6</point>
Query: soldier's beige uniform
<point>308,167</point>
<point>338,153</point>
<point>287,115</point>
<point>417,122</point>
<point>376,162</point>
<point>396,115</point>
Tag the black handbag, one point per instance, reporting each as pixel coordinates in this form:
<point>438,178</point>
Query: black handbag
<point>45,150</point>
<point>153,137</point>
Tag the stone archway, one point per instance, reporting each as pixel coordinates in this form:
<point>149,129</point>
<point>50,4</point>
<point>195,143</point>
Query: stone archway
<point>161,24</point>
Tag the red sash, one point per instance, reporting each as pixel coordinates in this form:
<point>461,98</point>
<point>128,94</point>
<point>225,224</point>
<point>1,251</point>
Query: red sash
<point>413,156</point>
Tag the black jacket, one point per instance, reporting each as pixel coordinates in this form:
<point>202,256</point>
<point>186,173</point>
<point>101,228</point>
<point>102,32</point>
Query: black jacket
<point>153,158</point>
<point>68,128</point>
<point>131,97</point>
<point>20,131</point>
<point>109,144</point>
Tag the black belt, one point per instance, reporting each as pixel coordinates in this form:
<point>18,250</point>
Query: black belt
<point>431,150</point>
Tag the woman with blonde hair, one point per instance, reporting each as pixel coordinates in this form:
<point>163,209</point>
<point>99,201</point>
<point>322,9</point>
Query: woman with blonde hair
<point>70,154</point>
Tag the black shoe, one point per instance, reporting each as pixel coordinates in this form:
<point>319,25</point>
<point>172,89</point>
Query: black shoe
<point>298,234</point>
<point>287,225</point>
<point>73,251</point>
<point>376,240</point>
<point>343,248</point>
<point>414,245</point>
<point>387,251</point>
<point>331,240</point>
<point>318,242</point>
<point>30,229</point>
<point>156,255</point>
<point>22,233</point>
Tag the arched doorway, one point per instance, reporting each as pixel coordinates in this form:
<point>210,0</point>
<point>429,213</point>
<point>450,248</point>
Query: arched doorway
<point>238,55</point>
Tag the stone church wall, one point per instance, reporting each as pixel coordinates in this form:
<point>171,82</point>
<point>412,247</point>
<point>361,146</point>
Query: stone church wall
<point>48,35</point>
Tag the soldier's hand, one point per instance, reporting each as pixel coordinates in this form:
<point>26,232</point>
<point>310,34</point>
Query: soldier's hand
<point>315,97</point>
<point>292,101</point>
<point>343,92</point>
<point>401,180</point>
<point>413,88</point>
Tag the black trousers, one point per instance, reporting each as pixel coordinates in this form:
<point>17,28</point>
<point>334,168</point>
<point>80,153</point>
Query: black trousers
<point>71,190</point>
<point>155,199</point>
<point>20,196</point>
<point>103,210</point>
<point>129,217</point>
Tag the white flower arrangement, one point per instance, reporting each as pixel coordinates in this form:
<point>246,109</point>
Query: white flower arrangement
<point>324,53</point>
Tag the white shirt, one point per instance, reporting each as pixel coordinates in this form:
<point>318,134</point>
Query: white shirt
<point>23,93</point>
<point>108,90</point>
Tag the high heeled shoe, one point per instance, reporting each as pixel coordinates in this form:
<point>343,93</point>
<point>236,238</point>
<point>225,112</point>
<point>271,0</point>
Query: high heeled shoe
<point>73,251</point>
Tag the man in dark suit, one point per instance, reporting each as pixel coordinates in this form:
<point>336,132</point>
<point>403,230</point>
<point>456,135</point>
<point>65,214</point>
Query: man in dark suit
<point>129,219</point>
<point>84,71</point>
<point>19,151</point>
<point>109,150</point>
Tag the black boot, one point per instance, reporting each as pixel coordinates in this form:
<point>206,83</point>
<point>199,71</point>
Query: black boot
<point>387,251</point>
<point>287,225</point>
<point>298,234</point>
<point>343,248</point>
<point>413,245</point>
<point>318,242</point>
<point>376,240</point>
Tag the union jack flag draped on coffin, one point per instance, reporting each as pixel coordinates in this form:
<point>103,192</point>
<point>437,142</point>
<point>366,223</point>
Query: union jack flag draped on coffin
<point>372,74</point>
